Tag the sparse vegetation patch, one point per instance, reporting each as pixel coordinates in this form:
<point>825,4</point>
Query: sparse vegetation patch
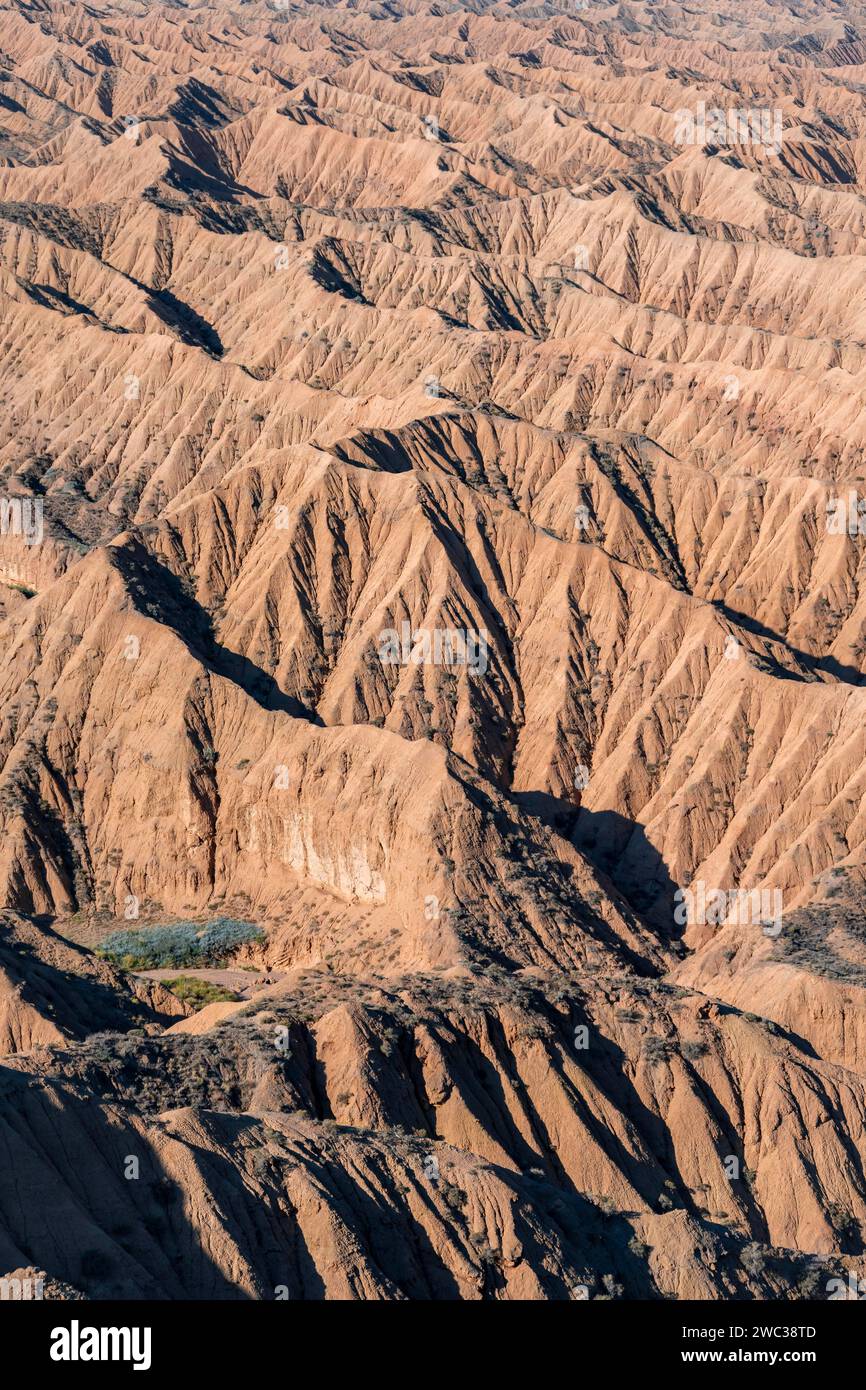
<point>180,944</point>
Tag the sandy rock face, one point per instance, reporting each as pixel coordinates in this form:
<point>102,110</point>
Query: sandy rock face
<point>432,513</point>
<point>503,1161</point>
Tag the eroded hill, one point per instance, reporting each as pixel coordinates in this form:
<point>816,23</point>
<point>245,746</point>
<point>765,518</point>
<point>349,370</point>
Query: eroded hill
<point>432,513</point>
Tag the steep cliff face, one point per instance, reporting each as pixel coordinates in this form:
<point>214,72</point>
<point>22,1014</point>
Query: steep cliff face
<point>431,529</point>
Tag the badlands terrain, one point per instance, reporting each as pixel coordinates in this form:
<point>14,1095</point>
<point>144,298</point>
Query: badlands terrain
<point>432,511</point>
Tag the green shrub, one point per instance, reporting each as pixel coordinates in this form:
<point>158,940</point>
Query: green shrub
<point>656,1049</point>
<point>197,992</point>
<point>181,943</point>
<point>753,1258</point>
